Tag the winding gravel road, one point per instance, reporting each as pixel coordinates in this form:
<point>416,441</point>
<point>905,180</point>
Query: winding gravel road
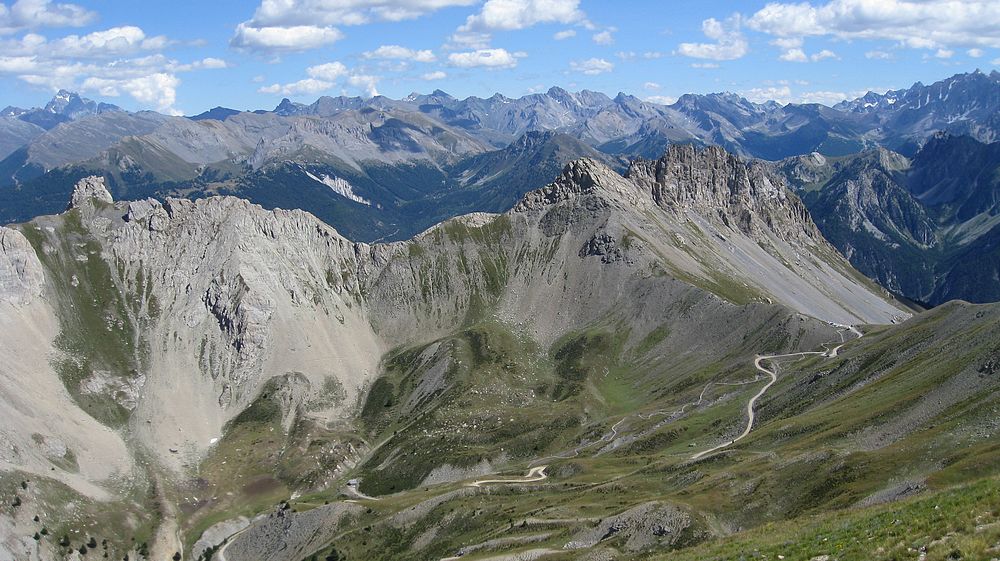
<point>830,353</point>
<point>534,474</point>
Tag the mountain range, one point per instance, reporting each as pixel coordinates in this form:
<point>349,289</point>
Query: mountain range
<point>403,156</point>
<point>565,326</point>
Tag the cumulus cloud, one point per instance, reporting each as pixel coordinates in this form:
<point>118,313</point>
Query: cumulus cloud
<point>287,13</point>
<point>798,55</point>
<point>662,99</point>
<point>592,66</point>
<point>781,94</point>
<point>508,15</point>
<point>565,34</point>
<point>109,43</point>
<point>34,14</point>
<point>823,97</point>
<point>794,55</point>
<point>396,52</point>
<point>299,25</point>
<point>651,86</point>
<point>729,42</point>
<point>119,61</point>
<point>322,78</point>
<point>879,55</point>
<point>975,53</point>
<point>484,58</point>
<point>305,86</point>
<point>329,72</point>
<point>365,82</point>
<point>824,54</point>
<point>915,23</point>
<point>603,38</point>
<point>212,63</point>
<point>283,39</point>
<point>436,75</point>
<point>944,53</point>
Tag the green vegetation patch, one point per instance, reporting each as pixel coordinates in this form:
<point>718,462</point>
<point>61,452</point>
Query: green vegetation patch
<point>100,340</point>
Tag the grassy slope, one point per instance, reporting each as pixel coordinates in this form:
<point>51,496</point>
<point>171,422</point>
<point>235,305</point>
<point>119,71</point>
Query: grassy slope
<point>811,460</point>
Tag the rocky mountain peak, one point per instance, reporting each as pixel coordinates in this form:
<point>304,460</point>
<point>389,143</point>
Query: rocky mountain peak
<point>712,179</point>
<point>89,189</point>
<point>579,177</point>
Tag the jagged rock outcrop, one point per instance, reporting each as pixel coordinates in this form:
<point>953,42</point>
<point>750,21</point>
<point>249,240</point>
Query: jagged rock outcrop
<point>713,181</point>
<point>21,274</point>
<point>639,528</point>
<point>89,189</point>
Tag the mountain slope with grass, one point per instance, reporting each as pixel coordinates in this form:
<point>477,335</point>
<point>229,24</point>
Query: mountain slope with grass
<point>603,332</point>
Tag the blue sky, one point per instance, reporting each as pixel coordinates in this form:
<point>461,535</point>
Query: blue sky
<point>185,57</point>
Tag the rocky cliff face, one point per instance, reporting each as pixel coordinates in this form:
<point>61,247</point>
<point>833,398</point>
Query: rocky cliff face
<point>713,181</point>
<point>21,274</point>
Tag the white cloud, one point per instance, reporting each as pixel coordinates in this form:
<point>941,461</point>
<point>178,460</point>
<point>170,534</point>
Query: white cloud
<point>626,55</point>
<point>507,15</point>
<point>469,40</point>
<point>305,86</point>
<point>436,75</point>
<point>33,14</point>
<point>995,62</point>
<point>729,41</point>
<point>109,43</point>
<point>781,94</point>
<point>704,65</point>
<point>565,34</point>
<point>158,89</point>
<point>322,78</point>
<point>485,58</point>
<point>396,52</point>
<point>825,98</point>
<point>794,55</point>
<point>662,99</point>
<point>824,54</point>
<point>788,42</point>
<point>592,66</point>
<point>283,39</point>
<point>975,53</point>
<point>603,38</point>
<point>651,86</point>
<point>287,13</point>
<point>944,53</point>
<point>365,82</point>
<point>119,61</point>
<point>299,25</point>
<point>915,23</point>
<point>329,72</point>
<point>18,64</point>
<point>212,63</point>
<point>879,55</point>
<point>650,55</point>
